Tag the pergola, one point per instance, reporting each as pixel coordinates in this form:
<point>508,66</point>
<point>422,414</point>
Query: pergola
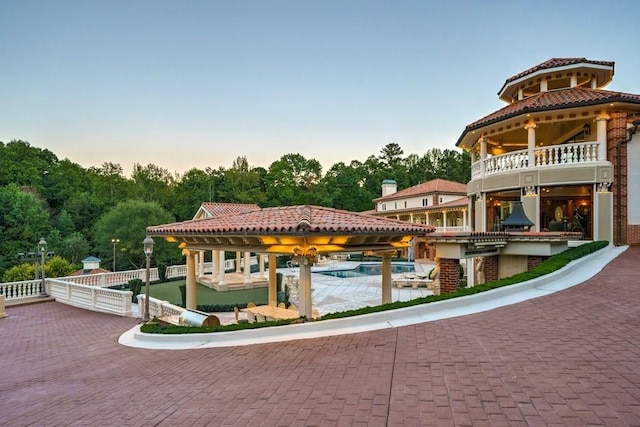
<point>303,232</point>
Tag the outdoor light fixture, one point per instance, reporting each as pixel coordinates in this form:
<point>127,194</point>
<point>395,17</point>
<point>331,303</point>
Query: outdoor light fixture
<point>114,242</point>
<point>148,250</point>
<point>42,247</point>
<point>586,128</point>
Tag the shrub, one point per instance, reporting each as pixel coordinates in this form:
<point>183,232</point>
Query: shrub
<point>135,286</point>
<point>162,271</point>
<point>183,294</point>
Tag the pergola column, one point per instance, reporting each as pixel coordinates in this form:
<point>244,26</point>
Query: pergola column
<point>531,143</point>
<point>215,258</point>
<point>444,220</point>
<point>386,277</point>
<point>221,272</point>
<point>238,262</point>
<point>261,264</point>
<point>273,280</point>
<point>191,281</point>
<point>304,287</point>
<point>200,263</point>
<point>247,268</point>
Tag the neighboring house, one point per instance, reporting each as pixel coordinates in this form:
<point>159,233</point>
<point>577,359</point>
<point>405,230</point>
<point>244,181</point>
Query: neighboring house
<point>440,203</point>
<point>213,209</point>
<point>90,265</point>
<point>564,147</point>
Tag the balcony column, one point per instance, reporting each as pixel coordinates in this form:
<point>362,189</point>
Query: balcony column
<point>444,220</point>
<point>531,143</point>
<point>483,155</point>
<point>480,213</point>
<point>464,219</point>
<point>601,134</point>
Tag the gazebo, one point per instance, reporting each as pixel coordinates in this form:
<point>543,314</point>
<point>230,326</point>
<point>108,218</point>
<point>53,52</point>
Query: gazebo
<point>303,232</point>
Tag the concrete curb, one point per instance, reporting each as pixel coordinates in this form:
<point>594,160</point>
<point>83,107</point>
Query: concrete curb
<point>573,274</point>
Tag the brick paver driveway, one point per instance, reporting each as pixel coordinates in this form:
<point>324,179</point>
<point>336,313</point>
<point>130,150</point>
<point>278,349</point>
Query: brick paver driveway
<point>569,358</point>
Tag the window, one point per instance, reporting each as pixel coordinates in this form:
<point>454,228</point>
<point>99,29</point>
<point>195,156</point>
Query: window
<point>425,202</point>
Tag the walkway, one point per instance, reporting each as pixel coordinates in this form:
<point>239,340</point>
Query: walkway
<point>569,358</point>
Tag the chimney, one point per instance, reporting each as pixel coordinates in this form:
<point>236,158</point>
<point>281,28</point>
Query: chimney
<point>389,186</point>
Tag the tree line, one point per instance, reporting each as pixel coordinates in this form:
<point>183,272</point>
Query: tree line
<point>79,211</point>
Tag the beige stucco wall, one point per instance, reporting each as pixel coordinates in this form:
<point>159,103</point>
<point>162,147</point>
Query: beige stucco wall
<point>547,176</point>
<point>508,265</point>
<point>603,204</point>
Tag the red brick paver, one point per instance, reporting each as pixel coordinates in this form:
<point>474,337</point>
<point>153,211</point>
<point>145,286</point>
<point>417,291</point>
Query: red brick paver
<point>571,358</point>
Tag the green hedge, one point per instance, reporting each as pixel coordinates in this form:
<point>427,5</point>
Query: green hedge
<point>154,328</point>
<point>550,265</point>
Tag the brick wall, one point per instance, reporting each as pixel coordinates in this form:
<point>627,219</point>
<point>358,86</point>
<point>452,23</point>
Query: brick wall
<point>491,268</point>
<point>534,261</point>
<point>633,235</point>
<point>449,275</point>
<point>616,132</point>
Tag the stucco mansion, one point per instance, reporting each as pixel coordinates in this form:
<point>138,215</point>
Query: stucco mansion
<point>563,145</point>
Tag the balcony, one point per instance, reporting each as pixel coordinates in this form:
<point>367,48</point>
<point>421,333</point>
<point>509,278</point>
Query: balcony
<point>550,156</point>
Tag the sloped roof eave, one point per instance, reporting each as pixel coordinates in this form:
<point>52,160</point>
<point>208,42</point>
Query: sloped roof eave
<point>540,109</point>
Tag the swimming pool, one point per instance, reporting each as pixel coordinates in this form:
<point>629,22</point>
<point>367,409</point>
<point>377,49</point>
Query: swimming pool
<point>369,269</point>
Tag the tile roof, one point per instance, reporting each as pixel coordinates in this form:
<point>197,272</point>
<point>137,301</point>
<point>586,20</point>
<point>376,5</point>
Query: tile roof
<point>289,220</point>
<point>434,186</point>
<point>461,202</point>
<point>554,100</point>
<point>557,62</point>
<point>217,209</point>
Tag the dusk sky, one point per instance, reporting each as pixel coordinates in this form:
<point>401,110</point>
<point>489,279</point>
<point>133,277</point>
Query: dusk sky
<point>185,84</point>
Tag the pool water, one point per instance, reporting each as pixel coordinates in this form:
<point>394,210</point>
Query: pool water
<point>369,269</point>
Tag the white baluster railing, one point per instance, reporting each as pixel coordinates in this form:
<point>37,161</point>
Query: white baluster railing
<point>555,155</point>
<point>91,297</point>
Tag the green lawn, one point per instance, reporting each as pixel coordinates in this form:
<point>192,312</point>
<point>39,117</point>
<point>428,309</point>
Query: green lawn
<point>169,291</point>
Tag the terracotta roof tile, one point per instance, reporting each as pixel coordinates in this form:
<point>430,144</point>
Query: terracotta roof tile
<point>434,186</point>
<point>557,62</point>
<point>553,100</point>
<point>298,220</point>
<point>217,209</point>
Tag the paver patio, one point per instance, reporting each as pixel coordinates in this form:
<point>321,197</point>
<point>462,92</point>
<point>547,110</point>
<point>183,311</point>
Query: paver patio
<point>570,358</point>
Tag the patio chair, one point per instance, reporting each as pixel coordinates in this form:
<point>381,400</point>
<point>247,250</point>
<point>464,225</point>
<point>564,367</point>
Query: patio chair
<point>260,318</point>
<point>251,304</point>
<point>282,305</point>
<point>250,317</point>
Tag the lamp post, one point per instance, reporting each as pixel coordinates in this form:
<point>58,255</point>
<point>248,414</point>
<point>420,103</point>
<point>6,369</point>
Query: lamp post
<point>148,250</point>
<point>42,247</point>
<point>114,242</point>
